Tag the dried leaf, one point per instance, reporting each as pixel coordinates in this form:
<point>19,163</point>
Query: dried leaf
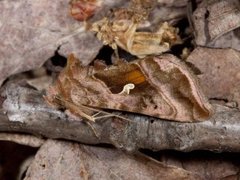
<point>228,40</point>
<point>214,18</point>
<point>208,165</point>
<point>64,160</point>
<point>163,87</point>
<point>220,76</point>
<point>34,30</point>
<point>122,31</point>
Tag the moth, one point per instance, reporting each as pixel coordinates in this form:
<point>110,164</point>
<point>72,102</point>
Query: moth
<point>159,86</point>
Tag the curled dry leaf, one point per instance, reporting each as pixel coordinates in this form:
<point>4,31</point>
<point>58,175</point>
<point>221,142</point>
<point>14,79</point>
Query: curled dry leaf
<point>121,31</point>
<point>159,86</point>
<point>123,34</point>
<point>214,18</point>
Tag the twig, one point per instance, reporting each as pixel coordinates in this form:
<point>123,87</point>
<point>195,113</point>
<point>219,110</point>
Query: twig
<point>25,111</point>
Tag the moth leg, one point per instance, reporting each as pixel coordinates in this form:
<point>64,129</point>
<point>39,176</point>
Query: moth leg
<point>106,114</point>
<point>93,117</point>
<point>96,114</point>
<point>93,129</point>
<point>101,116</point>
<point>77,110</point>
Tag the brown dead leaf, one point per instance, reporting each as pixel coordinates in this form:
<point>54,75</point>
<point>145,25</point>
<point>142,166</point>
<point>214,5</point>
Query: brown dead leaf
<point>33,30</point>
<point>64,160</point>
<point>213,19</point>
<point>220,75</point>
<point>228,40</point>
<point>207,165</point>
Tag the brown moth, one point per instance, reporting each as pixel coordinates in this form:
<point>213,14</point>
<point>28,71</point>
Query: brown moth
<point>160,86</point>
